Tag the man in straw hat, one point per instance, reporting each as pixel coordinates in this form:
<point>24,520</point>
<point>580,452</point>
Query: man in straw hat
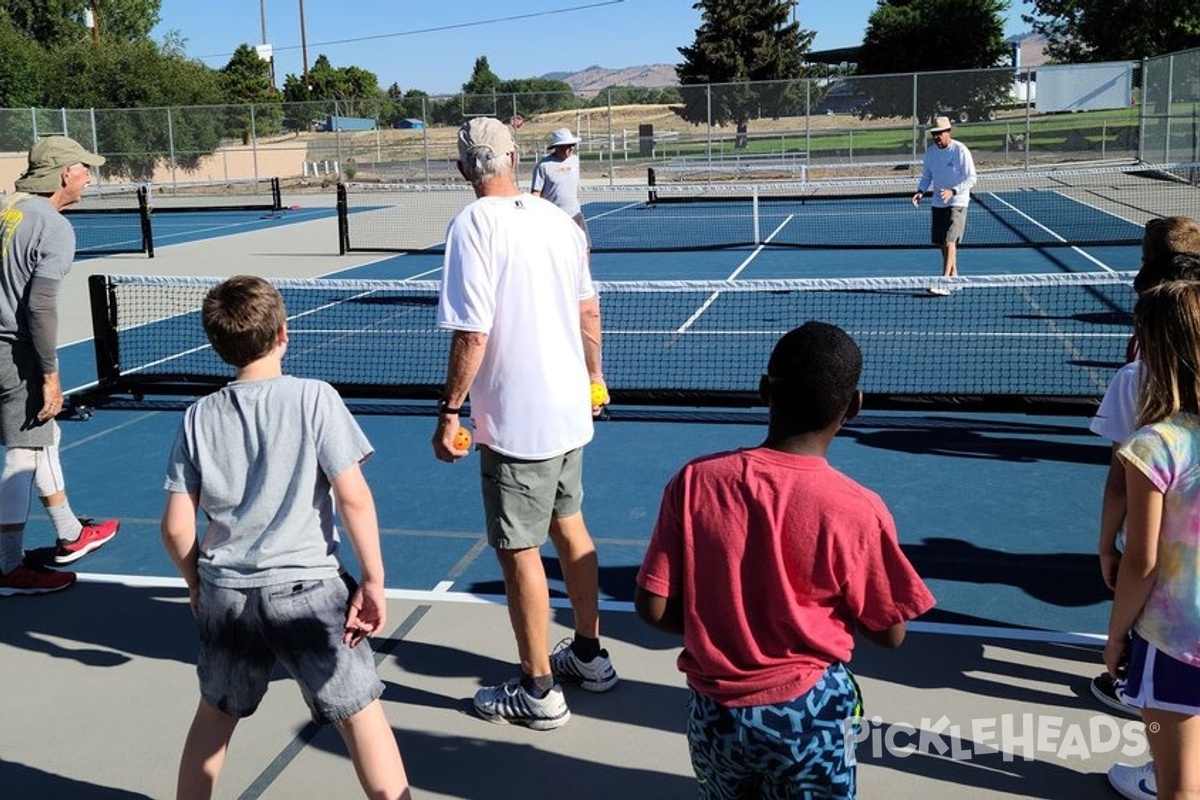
<point>38,247</point>
<point>950,171</point>
<point>556,176</point>
<point>518,295</point>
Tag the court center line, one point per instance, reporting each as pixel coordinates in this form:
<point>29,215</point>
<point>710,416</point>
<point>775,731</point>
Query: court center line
<point>733,276</point>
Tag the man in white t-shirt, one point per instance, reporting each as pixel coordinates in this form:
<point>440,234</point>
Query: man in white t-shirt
<point>518,295</point>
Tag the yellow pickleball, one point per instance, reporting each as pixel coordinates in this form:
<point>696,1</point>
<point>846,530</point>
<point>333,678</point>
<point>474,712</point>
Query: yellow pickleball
<point>462,439</point>
<point>599,394</point>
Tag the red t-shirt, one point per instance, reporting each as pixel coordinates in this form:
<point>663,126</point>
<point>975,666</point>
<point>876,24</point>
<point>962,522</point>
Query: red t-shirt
<point>775,558</point>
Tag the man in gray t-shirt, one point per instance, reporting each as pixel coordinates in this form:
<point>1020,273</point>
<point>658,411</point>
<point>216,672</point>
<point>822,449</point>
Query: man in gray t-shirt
<point>38,246</point>
<point>556,176</point>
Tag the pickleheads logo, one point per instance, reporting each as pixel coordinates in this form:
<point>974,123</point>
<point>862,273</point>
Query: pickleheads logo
<point>1009,735</point>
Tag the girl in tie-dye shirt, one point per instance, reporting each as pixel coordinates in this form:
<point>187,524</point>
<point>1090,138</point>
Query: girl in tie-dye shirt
<point>1155,620</point>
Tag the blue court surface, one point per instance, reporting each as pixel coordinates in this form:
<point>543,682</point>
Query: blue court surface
<point>999,512</point>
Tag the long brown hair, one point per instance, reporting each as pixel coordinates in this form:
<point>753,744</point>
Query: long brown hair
<point>1168,332</point>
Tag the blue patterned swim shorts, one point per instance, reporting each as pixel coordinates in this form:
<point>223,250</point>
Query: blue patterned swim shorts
<point>794,751</point>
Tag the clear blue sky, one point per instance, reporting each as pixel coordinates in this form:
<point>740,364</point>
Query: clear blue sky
<point>431,45</point>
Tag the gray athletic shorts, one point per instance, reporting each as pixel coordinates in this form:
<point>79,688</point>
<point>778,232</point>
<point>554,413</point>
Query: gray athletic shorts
<point>948,224</point>
<point>244,632</point>
<point>520,497</point>
<point>21,398</point>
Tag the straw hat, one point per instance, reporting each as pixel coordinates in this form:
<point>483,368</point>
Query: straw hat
<point>940,124</point>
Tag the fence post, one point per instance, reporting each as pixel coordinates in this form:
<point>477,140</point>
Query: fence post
<point>171,143</point>
<point>1170,102</point>
<point>254,141</point>
<point>425,137</point>
<point>1141,149</point>
<point>612,164</point>
<point>916,115</point>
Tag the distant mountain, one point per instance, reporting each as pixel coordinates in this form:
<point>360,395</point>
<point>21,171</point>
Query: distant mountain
<point>596,78</point>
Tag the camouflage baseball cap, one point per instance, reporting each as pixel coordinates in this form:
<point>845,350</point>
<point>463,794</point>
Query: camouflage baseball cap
<point>47,159</point>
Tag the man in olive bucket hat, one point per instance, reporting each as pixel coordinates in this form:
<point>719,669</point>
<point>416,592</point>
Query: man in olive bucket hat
<point>37,246</point>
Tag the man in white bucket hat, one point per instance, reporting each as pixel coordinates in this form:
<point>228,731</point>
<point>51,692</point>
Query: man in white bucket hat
<point>949,170</point>
<point>556,176</point>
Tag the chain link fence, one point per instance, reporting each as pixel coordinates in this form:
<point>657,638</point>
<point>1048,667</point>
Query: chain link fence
<point>848,126</point>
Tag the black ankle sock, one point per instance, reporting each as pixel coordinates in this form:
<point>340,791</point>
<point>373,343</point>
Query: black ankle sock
<point>538,686</point>
<point>585,648</point>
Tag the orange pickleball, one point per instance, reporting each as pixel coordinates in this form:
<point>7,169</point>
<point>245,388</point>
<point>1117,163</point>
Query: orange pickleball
<point>462,439</point>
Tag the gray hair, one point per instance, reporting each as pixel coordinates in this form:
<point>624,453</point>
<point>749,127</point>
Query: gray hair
<point>481,165</point>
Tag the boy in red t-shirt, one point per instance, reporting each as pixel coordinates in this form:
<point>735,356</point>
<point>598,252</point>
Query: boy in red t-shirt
<point>769,561</point>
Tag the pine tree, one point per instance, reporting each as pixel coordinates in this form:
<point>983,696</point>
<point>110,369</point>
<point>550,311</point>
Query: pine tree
<point>740,42</point>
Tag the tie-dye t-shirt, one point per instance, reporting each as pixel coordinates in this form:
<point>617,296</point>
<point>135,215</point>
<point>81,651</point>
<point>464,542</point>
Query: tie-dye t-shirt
<point>1168,453</point>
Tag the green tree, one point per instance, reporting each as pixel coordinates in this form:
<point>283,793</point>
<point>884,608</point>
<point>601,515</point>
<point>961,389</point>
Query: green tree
<point>52,23</point>
<point>246,81</point>
<point>740,42</point>
<point>906,36</point>
<point>20,67</point>
<point>1115,30</point>
<point>148,104</point>
<point>483,80</point>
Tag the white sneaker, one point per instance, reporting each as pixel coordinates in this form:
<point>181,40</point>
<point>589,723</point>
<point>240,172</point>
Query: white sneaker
<point>939,291</point>
<point>596,675</point>
<point>510,704</point>
<point>1134,783</point>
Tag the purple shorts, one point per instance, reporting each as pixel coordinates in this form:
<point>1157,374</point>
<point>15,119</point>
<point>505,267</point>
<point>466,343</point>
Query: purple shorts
<point>1157,680</point>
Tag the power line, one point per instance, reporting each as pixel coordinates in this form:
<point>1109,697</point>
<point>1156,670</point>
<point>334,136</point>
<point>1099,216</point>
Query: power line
<point>441,28</point>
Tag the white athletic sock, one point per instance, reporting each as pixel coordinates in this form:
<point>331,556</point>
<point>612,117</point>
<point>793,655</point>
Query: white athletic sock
<point>66,525</point>
<point>12,550</point>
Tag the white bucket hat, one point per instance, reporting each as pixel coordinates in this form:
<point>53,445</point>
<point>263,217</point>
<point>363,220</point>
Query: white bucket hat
<point>562,138</point>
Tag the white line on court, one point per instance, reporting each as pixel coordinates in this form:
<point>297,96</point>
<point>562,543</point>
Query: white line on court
<point>733,275</point>
<point>1078,250</point>
<point>441,594</point>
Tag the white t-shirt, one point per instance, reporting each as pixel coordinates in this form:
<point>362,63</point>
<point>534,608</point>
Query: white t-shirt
<point>516,268</point>
<point>1115,418</point>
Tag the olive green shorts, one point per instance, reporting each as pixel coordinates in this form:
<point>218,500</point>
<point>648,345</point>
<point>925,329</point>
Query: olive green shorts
<point>521,497</point>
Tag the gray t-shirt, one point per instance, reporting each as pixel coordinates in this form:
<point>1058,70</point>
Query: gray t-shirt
<point>260,455</point>
<point>558,182</point>
<point>35,240</point>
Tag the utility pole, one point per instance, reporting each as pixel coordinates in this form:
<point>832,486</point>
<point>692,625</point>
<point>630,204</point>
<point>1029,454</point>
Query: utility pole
<point>304,49</point>
<point>93,20</point>
<point>262,16</point>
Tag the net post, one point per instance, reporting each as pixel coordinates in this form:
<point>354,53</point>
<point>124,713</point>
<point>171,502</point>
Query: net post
<point>651,182</point>
<point>143,201</point>
<point>276,195</point>
<point>104,332</point>
<point>343,223</point>
<point>757,220</point>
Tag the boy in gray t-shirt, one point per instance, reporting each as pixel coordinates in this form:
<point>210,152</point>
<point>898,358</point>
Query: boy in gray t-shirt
<point>261,457</point>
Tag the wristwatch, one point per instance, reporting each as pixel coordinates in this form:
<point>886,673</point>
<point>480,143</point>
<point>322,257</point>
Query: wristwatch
<point>444,407</point>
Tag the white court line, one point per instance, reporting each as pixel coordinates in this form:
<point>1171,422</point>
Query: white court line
<point>440,594</point>
<point>616,210</point>
<point>1078,250</point>
<point>733,275</point>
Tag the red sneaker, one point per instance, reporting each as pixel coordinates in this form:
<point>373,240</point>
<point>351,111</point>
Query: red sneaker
<point>34,580</point>
<point>92,537</point>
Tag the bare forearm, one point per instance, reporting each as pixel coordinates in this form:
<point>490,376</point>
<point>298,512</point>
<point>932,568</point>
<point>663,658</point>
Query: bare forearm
<point>589,329</point>
<point>466,354</point>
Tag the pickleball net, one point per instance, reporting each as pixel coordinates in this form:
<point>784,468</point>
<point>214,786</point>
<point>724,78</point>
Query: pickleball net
<point>1005,342</point>
<point>1050,207</point>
